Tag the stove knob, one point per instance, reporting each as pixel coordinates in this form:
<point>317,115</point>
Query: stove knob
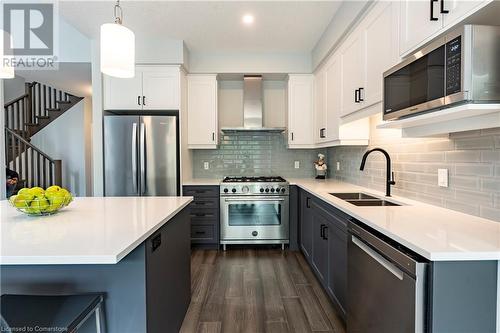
<point>272,190</point>
<point>245,189</point>
<point>233,190</point>
<point>267,190</point>
<point>261,190</point>
<point>283,190</point>
<point>226,190</point>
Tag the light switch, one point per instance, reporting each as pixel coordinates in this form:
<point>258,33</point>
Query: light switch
<point>206,165</point>
<point>338,166</point>
<point>443,177</point>
<point>297,164</point>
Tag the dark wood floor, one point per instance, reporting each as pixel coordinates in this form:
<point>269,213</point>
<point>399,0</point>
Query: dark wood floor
<point>256,290</point>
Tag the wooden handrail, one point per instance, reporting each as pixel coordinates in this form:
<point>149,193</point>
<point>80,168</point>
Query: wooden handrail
<point>23,140</point>
<point>15,100</point>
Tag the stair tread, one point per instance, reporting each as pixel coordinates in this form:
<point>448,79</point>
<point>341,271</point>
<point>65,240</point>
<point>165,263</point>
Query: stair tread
<point>63,102</point>
<point>31,124</point>
<point>43,117</point>
<point>53,109</point>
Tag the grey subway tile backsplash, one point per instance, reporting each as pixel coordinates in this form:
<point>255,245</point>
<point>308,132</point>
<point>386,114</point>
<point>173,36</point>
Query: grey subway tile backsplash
<point>254,154</point>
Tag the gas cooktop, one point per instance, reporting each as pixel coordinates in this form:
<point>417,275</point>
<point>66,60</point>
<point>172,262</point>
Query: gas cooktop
<point>259,179</point>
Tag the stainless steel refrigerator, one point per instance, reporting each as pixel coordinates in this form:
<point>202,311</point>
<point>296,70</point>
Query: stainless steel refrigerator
<point>141,155</point>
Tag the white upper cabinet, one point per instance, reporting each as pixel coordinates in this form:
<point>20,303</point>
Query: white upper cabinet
<point>202,111</point>
<point>161,88</point>
<point>381,51</point>
<point>300,110</point>
<point>421,21</point>
<point>353,73</point>
<point>369,51</point>
<point>320,111</point>
<point>152,88</point>
<point>333,97</point>
<point>123,94</point>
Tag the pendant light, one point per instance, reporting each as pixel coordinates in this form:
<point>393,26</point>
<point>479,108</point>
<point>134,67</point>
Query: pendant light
<point>117,47</point>
<point>6,66</point>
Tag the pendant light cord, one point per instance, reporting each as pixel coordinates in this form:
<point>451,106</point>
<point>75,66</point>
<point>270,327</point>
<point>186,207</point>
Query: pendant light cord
<point>118,13</point>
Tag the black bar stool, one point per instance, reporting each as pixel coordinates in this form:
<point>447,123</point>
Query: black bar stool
<point>59,313</point>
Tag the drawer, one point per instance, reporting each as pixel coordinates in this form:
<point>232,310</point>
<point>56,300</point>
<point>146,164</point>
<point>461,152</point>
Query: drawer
<point>205,203</point>
<point>204,215</point>
<point>201,191</point>
<point>203,233</point>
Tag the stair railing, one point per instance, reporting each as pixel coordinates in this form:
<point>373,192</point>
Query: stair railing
<point>33,166</point>
<point>34,105</point>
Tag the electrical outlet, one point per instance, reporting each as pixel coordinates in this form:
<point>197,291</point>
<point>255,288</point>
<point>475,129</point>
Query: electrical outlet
<point>297,164</point>
<point>443,177</point>
<point>206,165</point>
<point>338,166</point>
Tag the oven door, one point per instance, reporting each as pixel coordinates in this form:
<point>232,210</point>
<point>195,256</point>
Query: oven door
<point>254,218</point>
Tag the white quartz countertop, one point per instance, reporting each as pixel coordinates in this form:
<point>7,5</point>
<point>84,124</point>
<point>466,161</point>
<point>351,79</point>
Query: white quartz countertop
<point>91,230</point>
<point>435,233</point>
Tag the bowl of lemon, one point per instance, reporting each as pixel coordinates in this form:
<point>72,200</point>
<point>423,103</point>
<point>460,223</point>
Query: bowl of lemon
<point>36,201</point>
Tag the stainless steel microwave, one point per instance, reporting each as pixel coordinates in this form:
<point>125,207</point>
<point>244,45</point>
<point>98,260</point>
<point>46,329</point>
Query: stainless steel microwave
<point>461,67</point>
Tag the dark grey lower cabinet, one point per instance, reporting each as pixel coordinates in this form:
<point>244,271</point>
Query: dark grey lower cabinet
<point>323,241</point>
<point>168,275</point>
<point>204,214</point>
<point>306,224</point>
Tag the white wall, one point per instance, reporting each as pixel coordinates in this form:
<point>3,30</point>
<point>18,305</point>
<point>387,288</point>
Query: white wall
<point>64,139</point>
<point>96,126</point>
<point>249,63</point>
<point>13,88</point>
<point>73,45</point>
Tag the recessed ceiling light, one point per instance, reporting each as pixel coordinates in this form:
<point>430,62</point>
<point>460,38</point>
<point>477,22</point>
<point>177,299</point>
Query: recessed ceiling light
<point>248,19</point>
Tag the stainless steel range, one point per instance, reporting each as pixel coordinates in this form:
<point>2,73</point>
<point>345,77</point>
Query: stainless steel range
<point>254,210</point>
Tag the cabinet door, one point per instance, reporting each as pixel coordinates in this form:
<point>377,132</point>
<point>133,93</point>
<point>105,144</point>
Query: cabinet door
<point>352,73</point>
<point>416,25</point>
<point>381,49</point>
<point>161,88</point>
<point>202,111</point>
<point>320,133</point>
<point>320,245</point>
<point>305,225</point>
<point>459,9</point>
<point>123,94</point>
<point>337,265</point>
<point>300,110</point>
<point>333,97</point>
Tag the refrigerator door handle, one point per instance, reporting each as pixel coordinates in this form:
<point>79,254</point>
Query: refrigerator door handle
<point>134,157</point>
<point>143,158</point>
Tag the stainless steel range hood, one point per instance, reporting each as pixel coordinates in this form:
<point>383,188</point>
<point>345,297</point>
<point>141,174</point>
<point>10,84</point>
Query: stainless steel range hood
<point>252,107</point>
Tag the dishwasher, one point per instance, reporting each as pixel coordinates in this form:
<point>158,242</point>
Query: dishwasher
<point>387,284</point>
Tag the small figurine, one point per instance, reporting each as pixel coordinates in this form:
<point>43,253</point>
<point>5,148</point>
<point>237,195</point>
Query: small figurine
<point>321,167</point>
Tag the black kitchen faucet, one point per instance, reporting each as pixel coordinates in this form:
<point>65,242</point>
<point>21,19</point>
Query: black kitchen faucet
<point>389,176</point>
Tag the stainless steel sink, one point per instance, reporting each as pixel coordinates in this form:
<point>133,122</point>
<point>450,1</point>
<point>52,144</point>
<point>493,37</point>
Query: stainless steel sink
<point>363,199</point>
<point>372,203</point>
<point>354,196</point>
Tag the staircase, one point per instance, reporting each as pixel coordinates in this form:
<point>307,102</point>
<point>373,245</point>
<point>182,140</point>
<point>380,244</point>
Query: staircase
<point>24,117</point>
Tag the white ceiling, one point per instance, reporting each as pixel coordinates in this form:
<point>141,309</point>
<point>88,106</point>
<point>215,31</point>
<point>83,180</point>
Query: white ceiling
<point>213,26</point>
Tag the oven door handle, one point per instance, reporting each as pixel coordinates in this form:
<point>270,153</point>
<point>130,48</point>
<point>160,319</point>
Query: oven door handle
<point>254,200</point>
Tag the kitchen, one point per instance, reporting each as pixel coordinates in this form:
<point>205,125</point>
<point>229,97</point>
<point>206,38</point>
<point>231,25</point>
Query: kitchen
<point>208,210</point>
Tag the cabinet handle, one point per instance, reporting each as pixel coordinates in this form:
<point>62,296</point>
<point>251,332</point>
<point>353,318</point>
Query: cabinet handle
<point>356,96</point>
<point>325,233</point>
<point>143,100</point>
<point>138,100</point>
<point>213,136</point>
<point>200,232</point>
<point>292,135</point>
<point>155,242</point>
<point>308,202</point>
<point>432,10</point>
<point>360,99</point>
<point>443,11</point>
<point>322,133</point>
<point>322,231</point>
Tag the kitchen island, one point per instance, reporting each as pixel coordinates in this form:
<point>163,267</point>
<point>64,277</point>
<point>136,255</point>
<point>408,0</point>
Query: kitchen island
<point>134,249</point>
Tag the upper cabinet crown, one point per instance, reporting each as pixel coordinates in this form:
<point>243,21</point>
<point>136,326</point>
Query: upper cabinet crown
<point>421,21</point>
<point>152,88</point>
<point>202,111</point>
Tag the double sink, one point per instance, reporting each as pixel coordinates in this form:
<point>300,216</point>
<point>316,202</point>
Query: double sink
<point>363,199</point>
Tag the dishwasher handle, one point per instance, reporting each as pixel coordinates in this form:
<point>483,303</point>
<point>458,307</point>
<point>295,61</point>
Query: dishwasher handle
<point>378,257</point>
